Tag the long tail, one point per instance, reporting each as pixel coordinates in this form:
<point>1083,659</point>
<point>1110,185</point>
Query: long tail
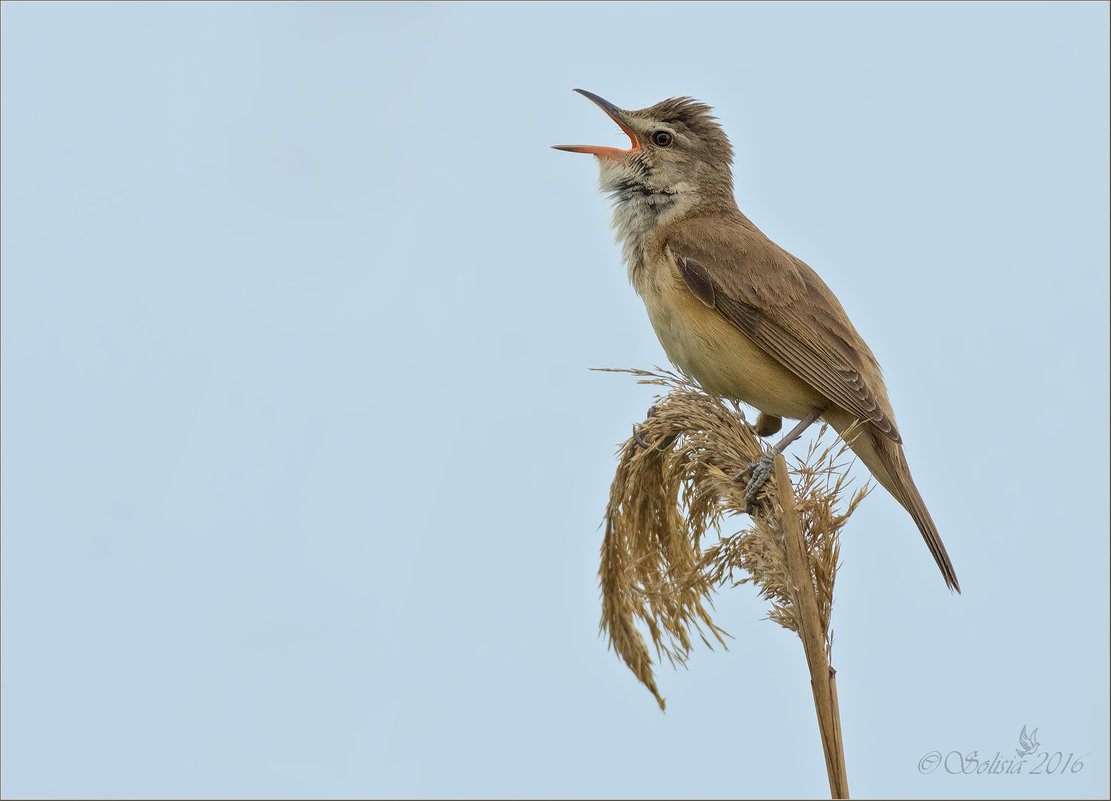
<point>885,459</point>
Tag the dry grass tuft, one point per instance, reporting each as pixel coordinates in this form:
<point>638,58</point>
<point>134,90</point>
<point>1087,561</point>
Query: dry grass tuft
<point>663,503</point>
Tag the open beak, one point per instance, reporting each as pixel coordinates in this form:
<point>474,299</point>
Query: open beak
<point>618,116</point>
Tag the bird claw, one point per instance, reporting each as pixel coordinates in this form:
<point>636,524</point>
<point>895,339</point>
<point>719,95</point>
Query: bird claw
<point>662,445</point>
<point>757,474</point>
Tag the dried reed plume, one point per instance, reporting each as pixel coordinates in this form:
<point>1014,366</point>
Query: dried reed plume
<point>667,497</point>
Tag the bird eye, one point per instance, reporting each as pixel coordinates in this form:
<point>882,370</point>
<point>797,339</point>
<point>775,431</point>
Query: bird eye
<point>661,138</point>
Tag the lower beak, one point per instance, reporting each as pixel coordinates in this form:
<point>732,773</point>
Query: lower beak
<point>615,114</point>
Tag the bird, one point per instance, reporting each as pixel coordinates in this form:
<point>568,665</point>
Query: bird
<point>735,311</point>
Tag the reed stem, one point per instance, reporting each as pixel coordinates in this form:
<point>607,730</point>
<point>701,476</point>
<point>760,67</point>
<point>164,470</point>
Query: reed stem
<point>823,680</point>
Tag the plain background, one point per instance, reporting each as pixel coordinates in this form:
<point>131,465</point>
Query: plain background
<point>303,464</point>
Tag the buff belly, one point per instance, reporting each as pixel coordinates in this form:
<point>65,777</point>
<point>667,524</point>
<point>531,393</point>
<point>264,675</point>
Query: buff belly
<point>713,351</point>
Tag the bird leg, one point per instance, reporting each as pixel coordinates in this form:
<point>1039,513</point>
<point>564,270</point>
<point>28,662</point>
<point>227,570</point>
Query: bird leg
<point>662,445</point>
<point>759,471</point>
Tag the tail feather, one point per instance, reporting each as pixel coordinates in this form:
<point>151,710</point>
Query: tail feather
<point>903,489</point>
<point>885,459</point>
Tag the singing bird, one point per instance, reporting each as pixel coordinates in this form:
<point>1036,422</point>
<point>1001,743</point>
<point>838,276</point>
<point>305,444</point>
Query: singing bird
<point>741,315</point>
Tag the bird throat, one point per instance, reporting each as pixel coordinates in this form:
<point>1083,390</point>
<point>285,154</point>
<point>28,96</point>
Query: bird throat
<point>638,208</point>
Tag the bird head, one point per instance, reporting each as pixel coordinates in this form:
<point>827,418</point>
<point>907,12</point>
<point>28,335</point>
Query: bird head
<point>676,149</point>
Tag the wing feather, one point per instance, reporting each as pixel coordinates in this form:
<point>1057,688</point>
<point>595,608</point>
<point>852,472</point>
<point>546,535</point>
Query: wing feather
<point>782,305</point>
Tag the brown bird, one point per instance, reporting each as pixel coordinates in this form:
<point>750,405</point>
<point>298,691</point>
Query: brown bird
<point>735,311</point>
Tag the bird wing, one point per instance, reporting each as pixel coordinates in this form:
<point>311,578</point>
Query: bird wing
<point>783,306</point>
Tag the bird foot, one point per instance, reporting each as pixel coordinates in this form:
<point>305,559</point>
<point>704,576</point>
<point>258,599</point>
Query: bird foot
<point>757,474</point>
<point>662,445</point>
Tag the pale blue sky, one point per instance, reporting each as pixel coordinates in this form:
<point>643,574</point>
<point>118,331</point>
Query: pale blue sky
<point>303,465</point>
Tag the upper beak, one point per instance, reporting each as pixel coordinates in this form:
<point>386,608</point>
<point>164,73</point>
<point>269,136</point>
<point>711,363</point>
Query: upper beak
<point>618,116</point>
